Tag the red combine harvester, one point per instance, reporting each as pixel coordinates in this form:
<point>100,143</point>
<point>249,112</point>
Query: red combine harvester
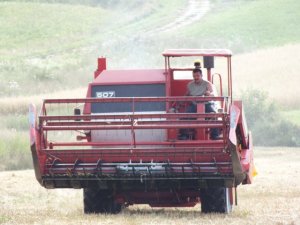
<point>121,143</point>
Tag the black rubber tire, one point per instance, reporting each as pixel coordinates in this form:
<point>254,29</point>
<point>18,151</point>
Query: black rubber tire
<point>100,201</point>
<point>215,200</point>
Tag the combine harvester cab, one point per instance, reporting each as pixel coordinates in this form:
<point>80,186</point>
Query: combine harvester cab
<point>122,143</point>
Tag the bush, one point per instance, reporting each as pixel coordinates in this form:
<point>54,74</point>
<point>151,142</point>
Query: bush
<point>14,150</point>
<point>269,127</point>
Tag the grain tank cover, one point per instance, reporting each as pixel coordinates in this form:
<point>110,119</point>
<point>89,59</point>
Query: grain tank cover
<point>130,77</point>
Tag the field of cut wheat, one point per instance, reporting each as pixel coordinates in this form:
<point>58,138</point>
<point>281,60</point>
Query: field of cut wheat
<point>273,198</point>
<point>274,70</point>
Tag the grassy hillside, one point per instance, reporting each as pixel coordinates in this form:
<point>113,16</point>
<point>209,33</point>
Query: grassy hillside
<point>267,201</point>
<point>242,26</point>
<point>248,25</point>
<point>45,47</point>
<point>52,45</point>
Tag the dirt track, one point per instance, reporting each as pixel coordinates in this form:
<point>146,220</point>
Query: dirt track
<point>194,11</point>
<point>274,198</point>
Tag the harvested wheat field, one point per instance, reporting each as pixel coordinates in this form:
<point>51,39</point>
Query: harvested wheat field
<point>274,198</point>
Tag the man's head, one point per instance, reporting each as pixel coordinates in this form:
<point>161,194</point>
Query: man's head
<point>197,75</point>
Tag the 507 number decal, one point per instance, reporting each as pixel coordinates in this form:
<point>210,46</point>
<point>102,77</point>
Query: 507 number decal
<point>106,94</point>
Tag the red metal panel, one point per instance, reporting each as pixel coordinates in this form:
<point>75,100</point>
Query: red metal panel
<point>115,124</point>
<point>132,116</point>
<point>201,133</point>
<point>174,143</point>
<point>101,66</point>
<point>115,77</point>
<point>179,87</point>
<point>134,99</point>
<point>129,127</point>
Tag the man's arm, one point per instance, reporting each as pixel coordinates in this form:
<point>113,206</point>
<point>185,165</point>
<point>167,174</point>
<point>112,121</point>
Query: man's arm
<point>188,93</point>
<point>209,90</point>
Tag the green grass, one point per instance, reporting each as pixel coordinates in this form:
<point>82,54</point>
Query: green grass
<point>33,29</point>
<point>248,25</point>
<point>15,121</point>
<point>55,45</point>
<point>292,115</point>
<point>14,150</point>
<point>42,29</point>
<point>4,219</point>
<point>47,41</point>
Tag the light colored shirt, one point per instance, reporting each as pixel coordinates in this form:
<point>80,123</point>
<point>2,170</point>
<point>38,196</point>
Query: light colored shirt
<point>198,89</point>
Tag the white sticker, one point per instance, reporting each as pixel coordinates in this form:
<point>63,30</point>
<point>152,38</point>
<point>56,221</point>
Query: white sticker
<point>106,94</point>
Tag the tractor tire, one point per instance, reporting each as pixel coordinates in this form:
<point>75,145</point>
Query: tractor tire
<point>215,200</point>
<point>100,201</point>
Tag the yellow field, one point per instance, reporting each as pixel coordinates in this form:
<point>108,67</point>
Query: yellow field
<point>21,104</point>
<point>274,70</point>
<point>274,198</point>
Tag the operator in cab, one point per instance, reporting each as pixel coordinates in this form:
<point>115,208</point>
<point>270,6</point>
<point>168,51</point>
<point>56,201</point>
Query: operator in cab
<point>200,87</point>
